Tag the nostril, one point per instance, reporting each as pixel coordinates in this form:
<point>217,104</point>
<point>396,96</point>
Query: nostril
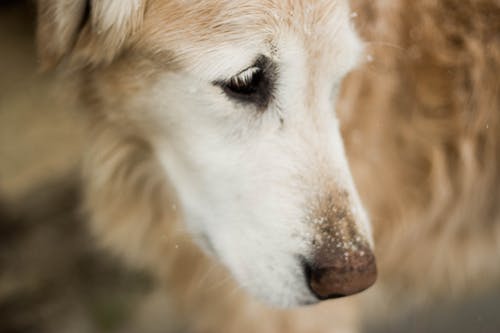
<point>313,275</point>
<point>334,276</point>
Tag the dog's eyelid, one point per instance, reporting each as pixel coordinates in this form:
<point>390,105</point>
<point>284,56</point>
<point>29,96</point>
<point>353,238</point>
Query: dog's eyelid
<point>246,75</point>
<point>253,85</point>
<point>260,63</point>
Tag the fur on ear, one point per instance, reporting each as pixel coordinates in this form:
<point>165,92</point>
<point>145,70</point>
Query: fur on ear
<point>85,32</point>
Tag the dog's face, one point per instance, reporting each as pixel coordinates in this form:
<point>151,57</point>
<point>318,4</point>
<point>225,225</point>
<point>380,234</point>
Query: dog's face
<point>237,100</point>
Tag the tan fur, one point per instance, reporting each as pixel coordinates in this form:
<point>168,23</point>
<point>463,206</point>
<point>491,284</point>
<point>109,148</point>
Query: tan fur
<point>421,125</point>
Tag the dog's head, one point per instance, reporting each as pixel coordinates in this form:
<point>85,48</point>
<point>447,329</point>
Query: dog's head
<point>237,100</point>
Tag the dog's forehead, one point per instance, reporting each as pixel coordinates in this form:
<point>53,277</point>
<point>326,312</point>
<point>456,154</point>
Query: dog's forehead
<point>216,31</point>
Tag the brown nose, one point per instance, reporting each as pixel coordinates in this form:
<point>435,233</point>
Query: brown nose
<point>334,274</point>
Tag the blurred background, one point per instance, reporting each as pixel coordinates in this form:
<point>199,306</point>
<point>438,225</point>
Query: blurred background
<point>52,277</point>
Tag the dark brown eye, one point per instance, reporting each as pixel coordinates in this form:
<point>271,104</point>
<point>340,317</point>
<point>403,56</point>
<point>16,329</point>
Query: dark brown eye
<point>254,85</point>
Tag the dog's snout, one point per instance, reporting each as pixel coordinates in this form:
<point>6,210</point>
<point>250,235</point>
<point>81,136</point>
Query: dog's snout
<point>332,274</point>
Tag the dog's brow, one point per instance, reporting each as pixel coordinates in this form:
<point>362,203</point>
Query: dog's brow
<point>224,61</point>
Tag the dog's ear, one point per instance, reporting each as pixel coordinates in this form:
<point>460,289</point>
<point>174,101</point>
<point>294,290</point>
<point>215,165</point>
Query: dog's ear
<point>85,32</point>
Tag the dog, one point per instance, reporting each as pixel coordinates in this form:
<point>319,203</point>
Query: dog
<point>216,159</point>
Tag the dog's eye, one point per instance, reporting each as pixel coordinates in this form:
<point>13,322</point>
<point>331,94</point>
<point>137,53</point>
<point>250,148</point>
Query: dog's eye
<point>246,83</point>
<point>254,85</point>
